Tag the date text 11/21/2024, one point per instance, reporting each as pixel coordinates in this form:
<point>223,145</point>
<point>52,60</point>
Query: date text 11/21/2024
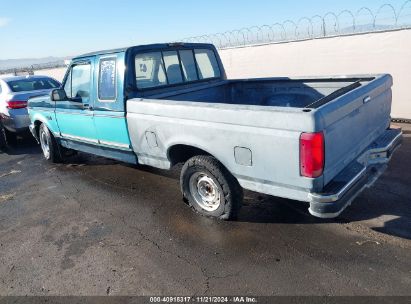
<point>204,299</point>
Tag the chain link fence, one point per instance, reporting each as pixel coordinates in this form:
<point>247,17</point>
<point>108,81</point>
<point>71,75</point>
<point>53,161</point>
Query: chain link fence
<point>365,20</point>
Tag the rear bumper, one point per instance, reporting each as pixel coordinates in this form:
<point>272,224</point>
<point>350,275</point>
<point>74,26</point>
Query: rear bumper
<point>17,121</point>
<point>360,174</point>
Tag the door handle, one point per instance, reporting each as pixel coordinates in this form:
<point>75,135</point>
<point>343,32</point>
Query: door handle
<point>87,107</point>
<point>367,99</point>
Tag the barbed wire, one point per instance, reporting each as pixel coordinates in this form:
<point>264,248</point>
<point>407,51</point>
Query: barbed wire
<point>346,22</point>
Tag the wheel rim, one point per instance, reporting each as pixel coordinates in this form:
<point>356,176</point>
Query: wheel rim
<point>44,144</point>
<point>205,191</point>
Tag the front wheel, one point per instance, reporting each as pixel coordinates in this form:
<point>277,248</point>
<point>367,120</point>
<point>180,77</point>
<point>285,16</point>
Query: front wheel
<point>49,145</point>
<point>210,189</point>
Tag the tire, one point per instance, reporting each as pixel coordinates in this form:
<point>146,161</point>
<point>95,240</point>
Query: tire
<point>210,189</point>
<point>11,137</point>
<point>49,145</point>
<point>3,138</point>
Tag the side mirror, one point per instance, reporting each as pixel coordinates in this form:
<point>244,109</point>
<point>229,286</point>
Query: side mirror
<point>58,95</point>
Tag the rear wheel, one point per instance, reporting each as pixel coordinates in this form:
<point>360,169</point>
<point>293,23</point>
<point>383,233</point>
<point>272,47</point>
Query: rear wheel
<point>49,145</point>
<point>210,189</point>
<point>3,138</point>
<point>11,137</point>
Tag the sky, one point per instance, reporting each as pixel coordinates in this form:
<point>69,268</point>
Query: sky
<point>41,28</point>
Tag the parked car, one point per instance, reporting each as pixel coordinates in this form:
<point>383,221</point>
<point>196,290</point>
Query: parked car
<point>316,140</point>
<point>14,93</point>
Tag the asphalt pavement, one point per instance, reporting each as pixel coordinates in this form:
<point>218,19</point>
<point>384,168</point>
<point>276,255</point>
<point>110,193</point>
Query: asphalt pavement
<point>94,226</point>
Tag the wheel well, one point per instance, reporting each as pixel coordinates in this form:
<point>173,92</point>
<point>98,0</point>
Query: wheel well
<point>181,153</point>
<point>37,124</point>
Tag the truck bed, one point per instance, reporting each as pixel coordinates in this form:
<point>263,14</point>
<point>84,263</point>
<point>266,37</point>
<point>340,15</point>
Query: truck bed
<point>280,92</point>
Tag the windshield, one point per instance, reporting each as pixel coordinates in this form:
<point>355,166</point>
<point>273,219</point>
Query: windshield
<point>27,85</point>
<point>155,69</point>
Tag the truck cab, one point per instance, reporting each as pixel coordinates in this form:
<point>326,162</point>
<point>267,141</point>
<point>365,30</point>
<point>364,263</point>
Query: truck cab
<point>91,111</point>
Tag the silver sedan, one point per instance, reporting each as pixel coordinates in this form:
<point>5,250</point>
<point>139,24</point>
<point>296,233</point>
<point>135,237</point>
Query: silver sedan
<point>14,93</point>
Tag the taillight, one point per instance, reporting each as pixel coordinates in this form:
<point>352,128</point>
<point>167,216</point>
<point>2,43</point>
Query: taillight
<point>312,154</point>
<point>16,104</point>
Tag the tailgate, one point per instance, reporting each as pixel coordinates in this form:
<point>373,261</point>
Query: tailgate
<point>354,121</point>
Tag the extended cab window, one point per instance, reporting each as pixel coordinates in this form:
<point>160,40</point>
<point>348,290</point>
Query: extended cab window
<point>207,64</point>
<point>78,82</point>
<point>156,69</point>
<point>173,68</point>
<point>107,79</point>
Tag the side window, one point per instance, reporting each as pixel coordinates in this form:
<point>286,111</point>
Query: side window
<point>172,65</point>
<point>80,82</point>
<point>150,70</point>
<point>67,85</point>
<point>207,64</point>
<point>107,79</point>
<point>188,65</point>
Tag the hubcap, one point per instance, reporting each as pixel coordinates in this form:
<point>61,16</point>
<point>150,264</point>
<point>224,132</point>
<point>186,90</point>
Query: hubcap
<point>205,191</point>
<point>44,144</point>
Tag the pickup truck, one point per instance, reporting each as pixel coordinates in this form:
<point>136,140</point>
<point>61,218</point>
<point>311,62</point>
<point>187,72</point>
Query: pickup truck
<point>315,140</point>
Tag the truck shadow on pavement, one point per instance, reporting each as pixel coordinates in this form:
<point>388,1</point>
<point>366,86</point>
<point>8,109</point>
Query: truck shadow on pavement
<point>386,207</point>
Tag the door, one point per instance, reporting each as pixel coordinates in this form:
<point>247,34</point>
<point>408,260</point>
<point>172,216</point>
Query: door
<point>109,110</point>
<point>75,115</point>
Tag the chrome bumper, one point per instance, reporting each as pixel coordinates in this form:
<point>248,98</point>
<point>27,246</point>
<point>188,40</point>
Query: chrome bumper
<point>360,174</point>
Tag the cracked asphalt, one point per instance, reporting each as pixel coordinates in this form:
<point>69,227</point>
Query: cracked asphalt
<point>94,226</point>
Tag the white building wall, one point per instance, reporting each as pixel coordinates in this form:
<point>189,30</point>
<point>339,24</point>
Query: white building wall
<point>385,52</point>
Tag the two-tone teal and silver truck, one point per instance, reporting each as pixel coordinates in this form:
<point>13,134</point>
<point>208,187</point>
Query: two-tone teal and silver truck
<point>316,140</point>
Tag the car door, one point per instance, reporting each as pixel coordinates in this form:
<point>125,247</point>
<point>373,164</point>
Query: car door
<point>109,108</point>
<point>75,115</point>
